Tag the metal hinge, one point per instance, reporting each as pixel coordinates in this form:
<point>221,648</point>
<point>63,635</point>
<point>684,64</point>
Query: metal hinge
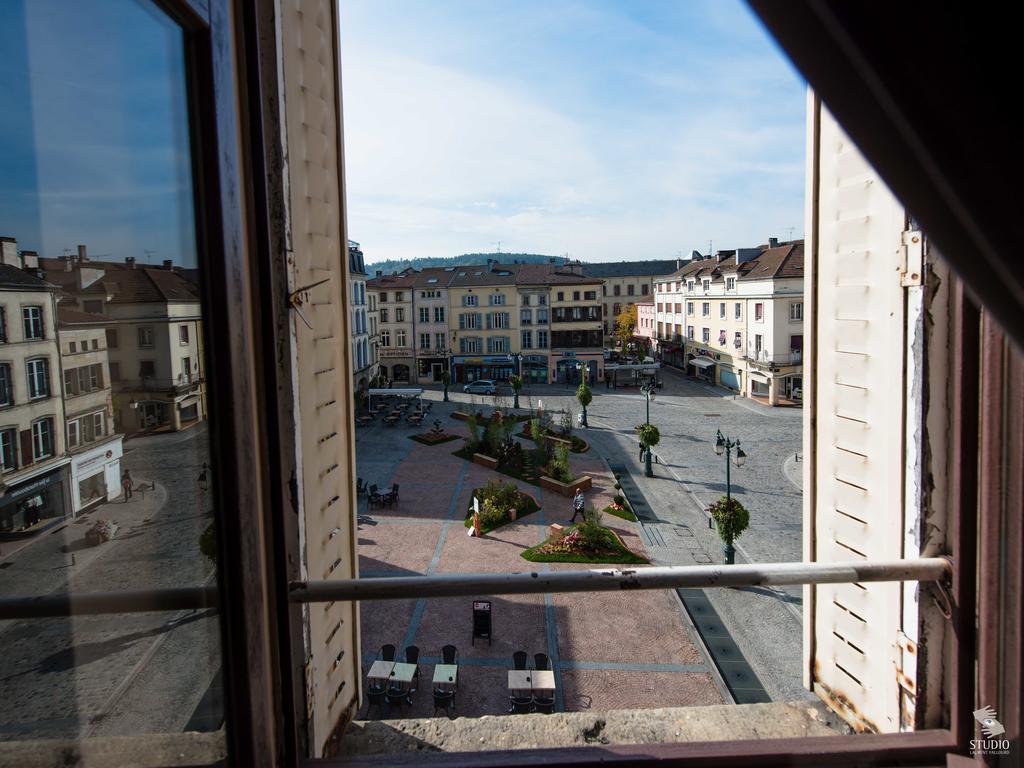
<point>913,258</point>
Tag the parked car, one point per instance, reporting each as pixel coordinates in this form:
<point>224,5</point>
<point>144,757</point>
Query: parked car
<point>481,387</point>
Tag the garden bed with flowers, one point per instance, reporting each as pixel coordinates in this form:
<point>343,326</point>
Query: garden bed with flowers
<point>500,504</point>
<point>433,438</point>
<point>588,542</point>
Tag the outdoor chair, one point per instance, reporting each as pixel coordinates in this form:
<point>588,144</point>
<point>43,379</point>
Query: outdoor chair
<point>450,654</point>
<point>374,497</point>
<point>521,705</point>
<point>391,496</point>
<point>387,652</point>
<point>541,661</point>
<point>398,694</point>
<point>360,487</point>
<point>444,700</point>
<point>519,659</point>
<point>412,655</point>
<point>376,697</point>
<point>543,705</point>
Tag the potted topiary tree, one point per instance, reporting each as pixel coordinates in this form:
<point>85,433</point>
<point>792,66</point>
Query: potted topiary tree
<point>731,519</point>
<point>585,397</point>
<point>516,382</point>
<point>649,437</point>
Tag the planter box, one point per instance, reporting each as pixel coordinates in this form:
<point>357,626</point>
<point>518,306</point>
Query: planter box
<point>459,415</point>
<point>556,441</point>
<point>566,489</point>
<point>485,461</point>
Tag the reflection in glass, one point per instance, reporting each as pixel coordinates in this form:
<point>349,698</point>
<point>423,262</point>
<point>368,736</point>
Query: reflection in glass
<point>106,476</point>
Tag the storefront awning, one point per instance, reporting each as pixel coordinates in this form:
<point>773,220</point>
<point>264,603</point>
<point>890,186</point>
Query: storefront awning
<point>702,362</point>
<point>401,392</point>
<point>758,377</point>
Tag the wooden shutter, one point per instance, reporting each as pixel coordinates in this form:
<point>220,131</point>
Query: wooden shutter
<point>856,392</point>
<point>322,356</point>
<point>27,456</point>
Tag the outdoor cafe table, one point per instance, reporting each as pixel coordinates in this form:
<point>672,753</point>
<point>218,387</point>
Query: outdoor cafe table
<point>543,680</point>
<point>446,675</point>
<point>380,670</point>
<point>531,680</point>
<point>403,673</point>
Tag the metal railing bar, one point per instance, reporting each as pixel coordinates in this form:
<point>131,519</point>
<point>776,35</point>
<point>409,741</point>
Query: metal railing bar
<point>615,579</point>
<point>472,584</point>
<point>95,603</point>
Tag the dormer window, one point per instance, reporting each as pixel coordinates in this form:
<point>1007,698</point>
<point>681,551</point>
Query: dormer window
<point>706,285</point>
<point>730,283</point>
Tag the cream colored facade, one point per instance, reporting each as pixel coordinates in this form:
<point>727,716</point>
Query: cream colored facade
<point>33,483</point>
<point>483,323</point>
<point>737,321</point>
<point>577,333</point>
<point>393,295</point>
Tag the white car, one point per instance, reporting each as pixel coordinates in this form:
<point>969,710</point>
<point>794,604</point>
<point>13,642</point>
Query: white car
<point>481,387</point>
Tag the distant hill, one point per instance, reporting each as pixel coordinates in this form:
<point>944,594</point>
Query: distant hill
<point>397,265</point>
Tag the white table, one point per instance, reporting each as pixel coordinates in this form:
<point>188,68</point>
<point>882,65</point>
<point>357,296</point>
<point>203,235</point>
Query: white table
<point>446,674</point>
<point>380,670</point>
<point>403,673</point>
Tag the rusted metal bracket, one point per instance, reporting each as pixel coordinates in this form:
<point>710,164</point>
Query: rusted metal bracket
<point>300,296</point>
<point>913,258</point>
<point>940,591</point>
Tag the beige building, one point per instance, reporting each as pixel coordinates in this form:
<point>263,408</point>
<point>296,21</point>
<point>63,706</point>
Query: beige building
<point>33,461</point>
<point>93,444</point>
<point>396,355</point>
<point>154,337</point>
<point>430,323</point>
<point>625,283</point>
<point>736,320</point>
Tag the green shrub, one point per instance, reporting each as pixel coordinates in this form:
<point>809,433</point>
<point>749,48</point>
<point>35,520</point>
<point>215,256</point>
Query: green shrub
<point>649,435</point>
<point>492,514</point>
<point>559,466</point>
<point>619,499</point>
<point>584,395</point>
<point>731,519</point>
<point>567,415</point>
<point>473,425</point>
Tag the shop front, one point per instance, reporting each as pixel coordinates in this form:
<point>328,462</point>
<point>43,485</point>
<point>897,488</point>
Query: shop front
<point>567,368</point>
<point>397,365</point>
<point>96,474</point>
<point>760,384</point>
<point>729,377</point>
<point>535,369</point>
<point>702,368</point>
<point>671,354</point>
<point>494,367</point>
<point>430,369</point>
<point>34,504</point>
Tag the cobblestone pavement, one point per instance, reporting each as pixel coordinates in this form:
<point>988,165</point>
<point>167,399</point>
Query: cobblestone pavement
<point>117,674</point>
<point>765,623</point>
<point>608,650</point>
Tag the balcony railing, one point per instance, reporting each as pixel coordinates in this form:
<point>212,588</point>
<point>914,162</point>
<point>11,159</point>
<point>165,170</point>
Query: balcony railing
<point>793,357</point>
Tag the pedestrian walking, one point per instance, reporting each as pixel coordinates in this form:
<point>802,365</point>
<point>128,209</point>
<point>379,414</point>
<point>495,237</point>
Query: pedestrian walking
<point>641,451</point>
<point>127,485</point>
<point>578,503</point>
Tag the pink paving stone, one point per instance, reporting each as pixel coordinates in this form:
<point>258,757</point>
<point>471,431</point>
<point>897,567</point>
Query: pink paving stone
<point>518,623</point>
<point>636,626</point>
<point>604,689</point>
<point>420,500</point>
<point>495,552</point>
<point>390,547</point>
<point>380,622</point>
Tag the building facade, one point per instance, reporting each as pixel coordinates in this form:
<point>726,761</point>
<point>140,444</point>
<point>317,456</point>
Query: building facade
<point>482,304</point>
<point>735,319</point>
<point>94,446</point>
<point>646,323</point>
<point>625,283</point>
<point>154,336</point>
<point>394,300</point>
<point>430,323</point>
<point>34,490</point>
<point>362,365</point>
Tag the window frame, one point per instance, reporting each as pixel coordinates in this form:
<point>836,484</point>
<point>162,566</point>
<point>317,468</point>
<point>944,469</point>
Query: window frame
<point>32,366</point>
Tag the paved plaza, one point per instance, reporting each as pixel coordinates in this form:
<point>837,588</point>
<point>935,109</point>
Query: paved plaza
<point>611,650</point>
<point>116,674</point>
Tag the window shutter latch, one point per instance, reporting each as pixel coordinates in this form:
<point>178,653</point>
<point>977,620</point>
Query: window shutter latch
<point>913,258</point>
<point>300,296</point>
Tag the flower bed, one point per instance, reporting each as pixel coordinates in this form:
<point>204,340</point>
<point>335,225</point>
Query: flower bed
<point>573,443</point>
<point>584,543</point>
<point>497,499</point>
<point>620,510</point>
<point>582,483</point>
<point>433,438</point>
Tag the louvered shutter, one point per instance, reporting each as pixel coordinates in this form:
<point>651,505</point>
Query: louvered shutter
<point>322,357</point>
<point>854,470</point>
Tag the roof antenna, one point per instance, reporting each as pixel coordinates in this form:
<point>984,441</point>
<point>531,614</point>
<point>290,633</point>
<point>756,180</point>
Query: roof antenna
<point>709,248</point>
<point>147,254</point>
<point>499,246</point>
<point>791,230</point>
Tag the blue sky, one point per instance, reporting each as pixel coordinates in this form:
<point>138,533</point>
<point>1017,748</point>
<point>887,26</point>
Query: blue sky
<point>93,133</point>
<point>629,130</point>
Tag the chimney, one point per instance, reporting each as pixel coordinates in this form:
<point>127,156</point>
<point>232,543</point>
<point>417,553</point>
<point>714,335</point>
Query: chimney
<point>130,261</point>
<point>82,256</point>
<point>30,260</point>
<point>168,264</point>
<point>679,263</point>
<point>773,242</point>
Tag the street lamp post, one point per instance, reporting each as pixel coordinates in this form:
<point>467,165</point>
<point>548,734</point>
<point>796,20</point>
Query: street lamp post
<point>724,446</point>
<point>518,358</point>
<point>648,392</point>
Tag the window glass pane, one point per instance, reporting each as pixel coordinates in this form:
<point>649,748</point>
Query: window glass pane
<point>97,165</point>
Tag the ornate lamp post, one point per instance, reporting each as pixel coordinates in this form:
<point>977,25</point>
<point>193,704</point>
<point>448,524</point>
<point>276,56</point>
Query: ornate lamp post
<point>724,446</point>
<point>648,392</point>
